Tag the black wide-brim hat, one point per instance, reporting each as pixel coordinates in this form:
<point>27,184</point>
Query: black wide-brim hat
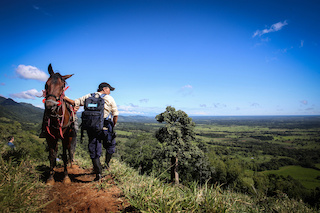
<point>104,84</point>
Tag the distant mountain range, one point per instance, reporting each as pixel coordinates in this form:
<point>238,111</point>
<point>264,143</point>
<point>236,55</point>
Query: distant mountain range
<point>22,112</point>
<point>27,113</point>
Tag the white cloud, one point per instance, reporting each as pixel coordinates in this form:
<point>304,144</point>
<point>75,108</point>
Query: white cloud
<point>31,72</point>
<point>187,87</point>
<point>30,94</point>
<point>131,109</point>
<point>145,100</point>
<point>304,102</point>
<point>198,113</point>
<point>255,105</point>
<point>41,10</point>
<point>219,105</point>
<point>270,59</point>
<point>275,27</point>
<point>285,50</point>
<point>301,43</point>
<point>186,90</point>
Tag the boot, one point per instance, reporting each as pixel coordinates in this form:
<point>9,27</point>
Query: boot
<point>108,158</point>
<point>98,177</point>
<point>97,168</point>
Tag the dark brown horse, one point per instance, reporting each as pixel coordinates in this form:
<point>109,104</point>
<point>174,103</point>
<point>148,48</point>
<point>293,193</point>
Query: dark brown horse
<point>58,122</point>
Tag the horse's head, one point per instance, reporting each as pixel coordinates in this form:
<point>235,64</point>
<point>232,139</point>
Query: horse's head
<point>54,89</point>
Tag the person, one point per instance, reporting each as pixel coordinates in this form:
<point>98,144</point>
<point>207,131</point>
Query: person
<point>95,141</point>
<point>10,142</point>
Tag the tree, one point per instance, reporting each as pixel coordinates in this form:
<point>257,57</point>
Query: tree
<point>176,136</point>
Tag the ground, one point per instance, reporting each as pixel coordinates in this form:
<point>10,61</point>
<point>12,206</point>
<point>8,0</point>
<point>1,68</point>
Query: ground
<point>85,195</point>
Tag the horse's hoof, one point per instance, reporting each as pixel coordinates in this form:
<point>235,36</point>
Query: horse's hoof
<point>50,182</point>
<point>66,180</point>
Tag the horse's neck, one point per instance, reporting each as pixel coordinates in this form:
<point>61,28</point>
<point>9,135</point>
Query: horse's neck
<point>67,113</point>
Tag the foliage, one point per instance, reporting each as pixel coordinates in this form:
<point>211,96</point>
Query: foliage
<point>177,133</point>
<point>228,156</point>
<point>287,185</point>
<point>140,152</point>
<point>20,189</point>
<point>26,141</point>
<point>149,194</point>
<point>176,137</point>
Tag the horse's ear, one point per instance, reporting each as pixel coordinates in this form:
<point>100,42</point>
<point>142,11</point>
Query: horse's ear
<point>65,77</point>
<point>50,70</point>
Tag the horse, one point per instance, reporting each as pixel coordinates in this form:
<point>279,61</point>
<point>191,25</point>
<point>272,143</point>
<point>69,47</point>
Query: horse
<point>59,121</point>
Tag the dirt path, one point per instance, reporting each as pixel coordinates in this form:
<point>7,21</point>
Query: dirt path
<point>84,195</point>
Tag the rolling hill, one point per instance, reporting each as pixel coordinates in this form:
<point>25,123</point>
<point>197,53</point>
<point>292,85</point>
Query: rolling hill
<point>22,112</point>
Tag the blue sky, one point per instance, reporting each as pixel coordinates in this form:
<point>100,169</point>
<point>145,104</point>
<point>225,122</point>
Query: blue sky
<point>241,57</point>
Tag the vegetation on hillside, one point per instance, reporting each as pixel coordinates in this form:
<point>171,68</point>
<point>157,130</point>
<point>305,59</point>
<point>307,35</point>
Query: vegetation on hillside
<point>224,169</point>
<point>21,189</point>
<point>151,194</point>
<point>233,156</point>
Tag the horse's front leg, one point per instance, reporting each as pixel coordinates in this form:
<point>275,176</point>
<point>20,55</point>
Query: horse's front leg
<point>53,148</point>
<point>66,178</point>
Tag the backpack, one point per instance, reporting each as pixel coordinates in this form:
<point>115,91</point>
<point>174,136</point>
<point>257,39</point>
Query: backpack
<point>92,116</point>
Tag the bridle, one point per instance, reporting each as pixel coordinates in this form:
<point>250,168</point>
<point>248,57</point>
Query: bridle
<point>57,101</point>
<point>56,115</point>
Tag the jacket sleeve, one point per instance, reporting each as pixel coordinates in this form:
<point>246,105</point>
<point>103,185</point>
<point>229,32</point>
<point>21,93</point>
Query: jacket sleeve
<point>112,106</point>
<point>80,101</point>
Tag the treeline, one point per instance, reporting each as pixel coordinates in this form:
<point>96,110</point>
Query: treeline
<point>214,164</point>
<point>285,122</point>
<point>282,155</point>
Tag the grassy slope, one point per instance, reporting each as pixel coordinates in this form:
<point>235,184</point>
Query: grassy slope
<point>149,194</point>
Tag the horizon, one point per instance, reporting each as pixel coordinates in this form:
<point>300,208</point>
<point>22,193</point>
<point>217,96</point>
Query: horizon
<point>206,58</point>
<point>191,116</point>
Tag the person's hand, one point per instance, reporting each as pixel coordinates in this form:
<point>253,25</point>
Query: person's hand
<point>76,108</point>
<point>69,100</point>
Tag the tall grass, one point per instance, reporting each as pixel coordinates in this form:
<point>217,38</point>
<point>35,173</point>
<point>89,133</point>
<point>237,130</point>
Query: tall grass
<point>20,189</point>
<point>149,194</point>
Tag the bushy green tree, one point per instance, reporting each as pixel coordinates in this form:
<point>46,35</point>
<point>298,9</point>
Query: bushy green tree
<point>176,136</point>
<point>140,151</point>
<point>288,185</point>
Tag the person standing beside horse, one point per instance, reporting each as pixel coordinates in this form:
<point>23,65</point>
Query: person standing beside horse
<point>95,140</point>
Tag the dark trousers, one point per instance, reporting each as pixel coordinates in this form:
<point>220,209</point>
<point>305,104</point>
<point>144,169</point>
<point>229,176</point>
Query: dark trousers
<point>110,147</point>
<point>95,145</point>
